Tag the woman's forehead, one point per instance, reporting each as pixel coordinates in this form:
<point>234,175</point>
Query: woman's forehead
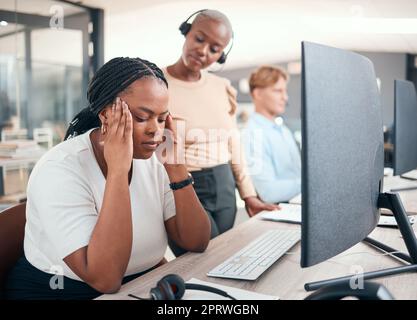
<point>215,29</point>
<point>148,92</point>
<point>148,85</point>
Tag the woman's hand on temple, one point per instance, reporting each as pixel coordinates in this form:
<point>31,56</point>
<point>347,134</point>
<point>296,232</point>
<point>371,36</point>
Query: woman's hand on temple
<point>118,139</point>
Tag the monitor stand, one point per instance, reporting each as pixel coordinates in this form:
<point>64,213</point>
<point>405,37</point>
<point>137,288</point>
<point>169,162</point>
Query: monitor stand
<point>392,202</point>
<point>403,189</point>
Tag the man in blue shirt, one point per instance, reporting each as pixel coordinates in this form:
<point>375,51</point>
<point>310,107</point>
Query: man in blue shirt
<point>272,154</point>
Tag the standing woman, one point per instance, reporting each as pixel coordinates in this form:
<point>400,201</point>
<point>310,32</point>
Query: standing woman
<point>203,106</point>
<point>100,205</point>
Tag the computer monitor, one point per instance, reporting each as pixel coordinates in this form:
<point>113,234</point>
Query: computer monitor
<point>405,127</point>
<point>343,151</point>
<point>342,157</point>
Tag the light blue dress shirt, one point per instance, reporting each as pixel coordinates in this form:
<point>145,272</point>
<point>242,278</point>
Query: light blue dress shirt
<point>273,159</point>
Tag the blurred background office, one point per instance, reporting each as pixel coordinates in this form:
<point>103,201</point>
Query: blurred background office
<point>50,49</point>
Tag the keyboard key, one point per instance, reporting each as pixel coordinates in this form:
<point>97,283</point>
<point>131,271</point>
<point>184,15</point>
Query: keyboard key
<point>265,262</point>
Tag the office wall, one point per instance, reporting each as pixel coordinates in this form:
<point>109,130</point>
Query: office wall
<point>47,57</point>
<point>388,66</point>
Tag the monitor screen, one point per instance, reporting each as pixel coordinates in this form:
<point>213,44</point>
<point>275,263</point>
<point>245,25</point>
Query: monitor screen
<point>342,153</point>
<point>405,127</point>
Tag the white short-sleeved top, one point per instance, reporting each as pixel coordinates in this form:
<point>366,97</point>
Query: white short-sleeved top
<point>64,197</point>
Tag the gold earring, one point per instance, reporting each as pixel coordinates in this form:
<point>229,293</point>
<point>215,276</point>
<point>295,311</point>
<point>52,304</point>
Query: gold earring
<point>103,129</point>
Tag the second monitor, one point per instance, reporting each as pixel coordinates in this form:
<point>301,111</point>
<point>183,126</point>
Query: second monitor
<point>405,128</point>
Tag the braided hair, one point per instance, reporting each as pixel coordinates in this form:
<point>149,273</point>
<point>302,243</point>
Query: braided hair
<point>112,78</point>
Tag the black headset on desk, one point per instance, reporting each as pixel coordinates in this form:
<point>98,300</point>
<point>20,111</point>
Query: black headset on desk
<point>185,27</point>
<point>370,291</point>
<point>172,287</point>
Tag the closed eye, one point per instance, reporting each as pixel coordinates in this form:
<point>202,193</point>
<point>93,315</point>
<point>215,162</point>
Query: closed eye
<point>140,119</point>
<point>143,120</point>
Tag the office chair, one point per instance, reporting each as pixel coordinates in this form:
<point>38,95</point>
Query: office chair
<point>370,291</point>
<point>12,230</point>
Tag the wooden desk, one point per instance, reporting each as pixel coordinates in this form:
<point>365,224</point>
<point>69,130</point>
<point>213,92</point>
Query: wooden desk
<point>285,278</point>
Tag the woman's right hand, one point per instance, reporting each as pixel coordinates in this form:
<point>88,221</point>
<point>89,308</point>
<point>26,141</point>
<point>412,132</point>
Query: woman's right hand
<point>118,141</point>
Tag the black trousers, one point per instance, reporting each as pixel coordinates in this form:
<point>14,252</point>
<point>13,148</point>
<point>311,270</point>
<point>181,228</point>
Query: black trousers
<point>26,282</point>
<point>215,188</point>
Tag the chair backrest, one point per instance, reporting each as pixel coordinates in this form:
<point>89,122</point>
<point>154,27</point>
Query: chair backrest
<point>12,231</point>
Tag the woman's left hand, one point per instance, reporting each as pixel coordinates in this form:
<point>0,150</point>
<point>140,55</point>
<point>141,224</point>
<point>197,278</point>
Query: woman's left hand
<point>253,205</point>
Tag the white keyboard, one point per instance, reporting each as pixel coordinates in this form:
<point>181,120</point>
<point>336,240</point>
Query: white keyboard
<point>255,258</point>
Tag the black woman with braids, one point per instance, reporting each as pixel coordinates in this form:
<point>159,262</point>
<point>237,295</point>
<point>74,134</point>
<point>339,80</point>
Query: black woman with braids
<point>101,204</point>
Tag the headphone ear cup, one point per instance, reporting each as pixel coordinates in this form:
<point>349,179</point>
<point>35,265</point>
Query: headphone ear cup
<point>156,294</point>
<point>222,58</point>
<point>163,290</point>
<point>176,285</point>
<point>185,28</point>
